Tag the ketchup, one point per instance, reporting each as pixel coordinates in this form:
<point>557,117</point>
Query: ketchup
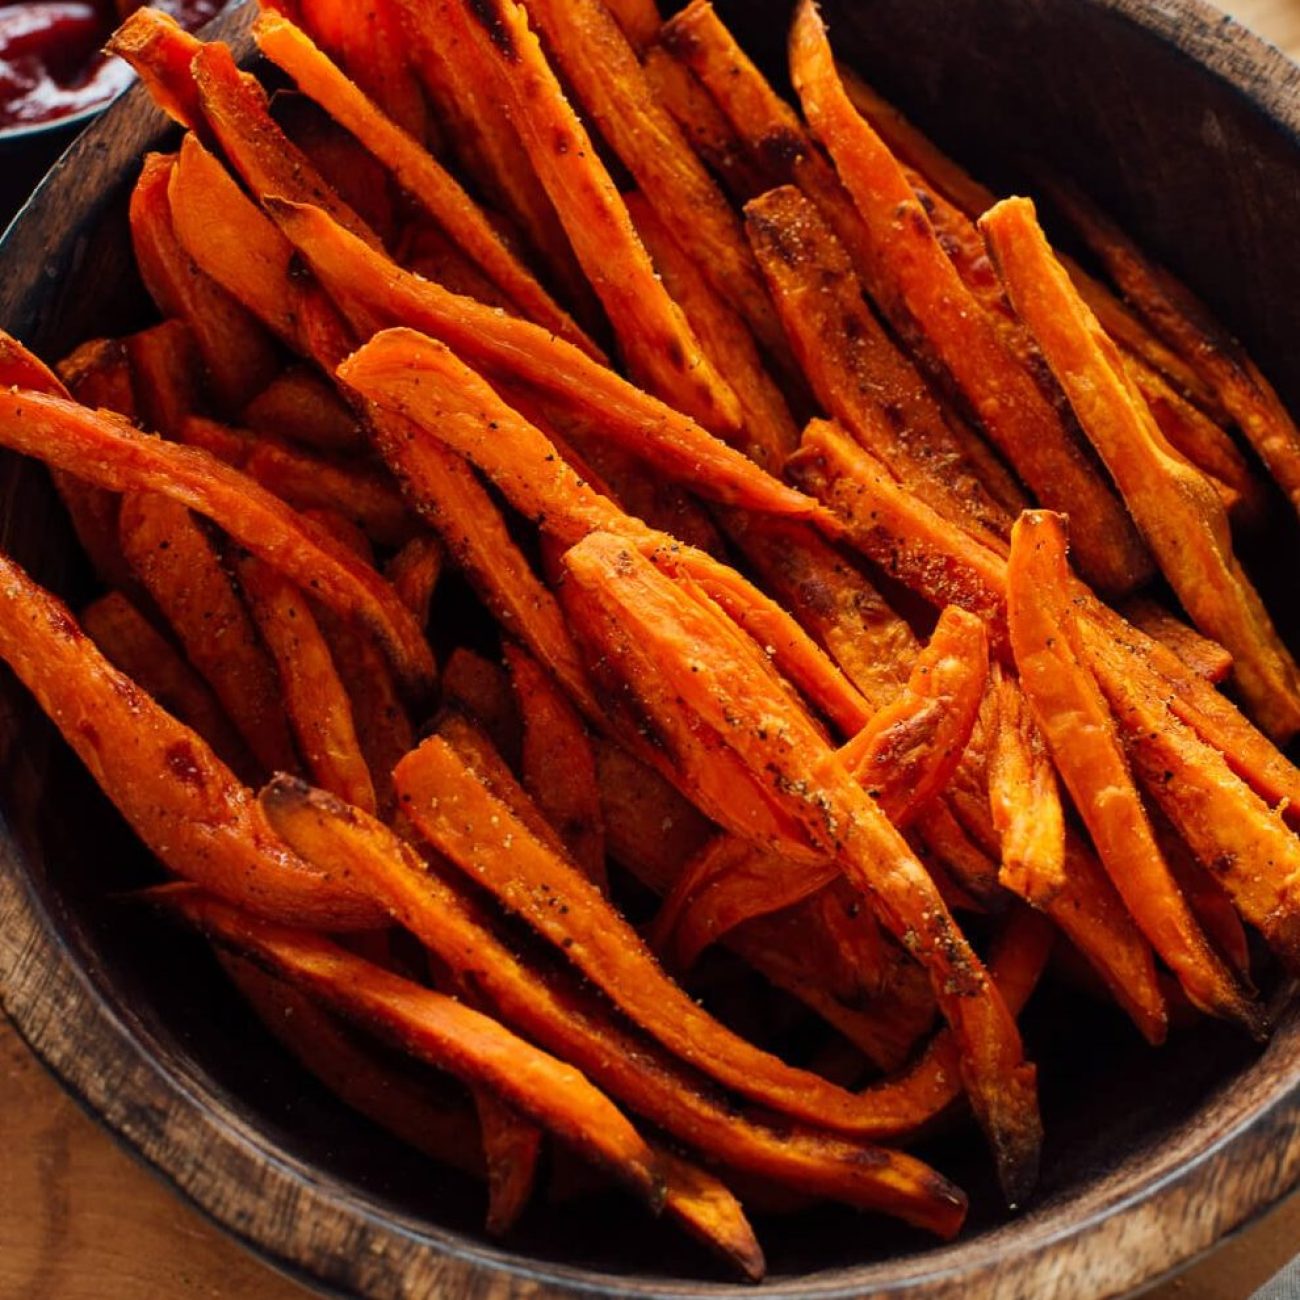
<point>50,60</point>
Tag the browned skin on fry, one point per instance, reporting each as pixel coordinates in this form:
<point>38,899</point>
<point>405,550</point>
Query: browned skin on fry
<point>701,121</point>
<point>180,567</point>
<point>480,690</point>
<point>956,185</point>
<point>97,374</point>
<point>459,816</point>
<point>301,405</point>
<point>418,173</point>
<point>420,381</point>
<point>239,358</point>
<point>413,573</point>
<point>112,453</point>
<point>558,766</point>
<point>435,1029</point>
<point>1178,511</point>
<point>161,52</point>
<point>1080,732</point>
<point>134,646</point>
<point>856,372</point>
<point>555,1012</point>
<point>240,248</point>
<point>178,797</point>
<point>600,64</point>
<point>707,1208</point>
<point>1206,658</point>
<point>511,1149</point>
<point>444,492</point>
<point>769,432</point>
<point>917,287</point>
<point>315,699</point>
<point>649,638</point>
<point>359,1074</point>
<point>1238,838</point>
<point>905,537</point>
<point>238,111</point>
<point>903,758</point>
<point>1187,326</point>
<point>658,345</point>
<point>378,294</point>
<point>166,375</point>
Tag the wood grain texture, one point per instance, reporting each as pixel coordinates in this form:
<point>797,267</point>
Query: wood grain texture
<point>93,1222</point>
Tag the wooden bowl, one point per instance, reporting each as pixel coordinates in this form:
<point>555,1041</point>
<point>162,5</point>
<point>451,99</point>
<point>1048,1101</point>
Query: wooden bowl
<point>1179,121</point>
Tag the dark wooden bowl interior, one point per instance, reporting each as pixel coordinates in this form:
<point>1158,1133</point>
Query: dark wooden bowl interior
<point>1186,129</point>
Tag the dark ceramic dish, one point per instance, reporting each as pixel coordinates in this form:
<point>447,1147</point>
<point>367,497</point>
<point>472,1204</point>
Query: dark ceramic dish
<point>1188,128</point>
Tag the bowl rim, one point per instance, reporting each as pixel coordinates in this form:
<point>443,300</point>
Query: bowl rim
<point>178,1124</point>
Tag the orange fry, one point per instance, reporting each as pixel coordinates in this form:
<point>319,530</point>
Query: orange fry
<point>417,172</point>
<point>1080,732</point>
<point>639,19</point>
<point>178,797</point>
<point>315,699</point>
<point>378,294</point>
<point>1206,658</point>
<point>657,343</point>
<point>558,765</point>
<point>161,52</point>
<point>511,1149</point>
<point>183,573</point>
<point>238,356</point>
<point>166,375</point>
<point>599,62</point>
<point>413,573</point>
<point>303,407</point>
<point>582,1030</point>
<point>1178,512</point>
<point>435,1029</point>
<point>675,663</point>
<point>920,291</point>
<point>112,453</point>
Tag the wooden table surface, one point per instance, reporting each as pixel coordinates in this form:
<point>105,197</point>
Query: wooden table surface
<point>80,1219</point>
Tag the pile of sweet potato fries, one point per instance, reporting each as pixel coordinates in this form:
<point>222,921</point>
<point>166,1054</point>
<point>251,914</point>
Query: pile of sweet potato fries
<point>579,510</point>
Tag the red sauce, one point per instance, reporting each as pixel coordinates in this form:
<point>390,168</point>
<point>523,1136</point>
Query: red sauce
<point>50,60</point>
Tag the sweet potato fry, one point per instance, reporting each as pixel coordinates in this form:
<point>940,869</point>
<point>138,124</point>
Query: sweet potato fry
<point>421,381</point>
<point>178,797</point>
<point>161,52</point>
<point>511,1147</point>
<point>315,699</point>
<point>922,294</point>
<point>1080,732</point>
<point>298,404</point>
<point>649,638</point>
<point>374,53</point>
<point>767,424</point>
<point>379,294</point>
<point>1242,842</point>
<point>453,811</point>
<point>706,1207</point>
<point>1206,658</point>
<point>179,566</point>
<point>112,453</point>
<point>1177,510</point>
<point>418,173</point>
<point>442,1128</point>
<point>237,110</point>
<point>413,573</point>
<point>658,345</point>
<point>488,147</point>
<point>639,20</point>
<point>855,370</point>
<point>1024,799</point>
<point>166,375</point>
<point>600,64</point>
<point>1188,327</point>
<point>240,248</point>
<point>903,758</point>
<point>134,646</point>
<point>481,689</point>
<point>886,523</point>
<point>558,765</point>
<point>99,369</point>
<point>702,123</point>
<point>582,1030</point>
<point>832,599</point>
<point>239,357</point>
<point>436,1029</point>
